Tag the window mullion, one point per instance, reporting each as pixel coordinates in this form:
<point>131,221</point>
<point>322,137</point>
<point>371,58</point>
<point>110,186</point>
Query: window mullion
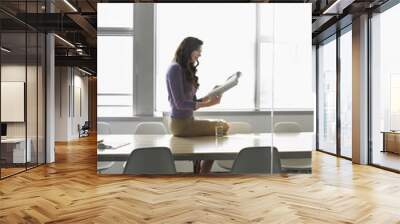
<point>257,79</point>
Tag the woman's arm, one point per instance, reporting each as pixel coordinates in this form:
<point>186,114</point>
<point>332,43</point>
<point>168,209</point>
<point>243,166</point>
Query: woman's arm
<point>208,101</point>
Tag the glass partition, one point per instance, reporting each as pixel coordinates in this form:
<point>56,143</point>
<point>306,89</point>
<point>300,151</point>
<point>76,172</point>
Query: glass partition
<point>13,105</point>
<point>22,91</point>
<point>385,89</point>
<point>275,92</point>
<point>327,95</point>
<point>31,99</point>
<point>346,93</point>
<point>292,87</point>
<point>41,107</point>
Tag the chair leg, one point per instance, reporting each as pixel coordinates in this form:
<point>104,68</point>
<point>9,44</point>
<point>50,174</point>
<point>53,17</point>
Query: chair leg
<point>196,166</point>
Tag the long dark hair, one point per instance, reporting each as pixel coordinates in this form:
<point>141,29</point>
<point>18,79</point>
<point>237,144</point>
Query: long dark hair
<point>183,58</point>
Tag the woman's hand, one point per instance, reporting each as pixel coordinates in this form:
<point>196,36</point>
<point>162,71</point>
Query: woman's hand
<point>214,100</point>
<point>209,101</point>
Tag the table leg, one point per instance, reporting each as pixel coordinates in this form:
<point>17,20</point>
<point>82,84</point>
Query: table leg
<point>384,143</point>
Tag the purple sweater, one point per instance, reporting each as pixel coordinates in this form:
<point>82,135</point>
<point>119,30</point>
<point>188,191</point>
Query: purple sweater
<point>181,93</point>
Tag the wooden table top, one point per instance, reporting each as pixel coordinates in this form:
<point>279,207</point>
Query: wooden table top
<point>207,147</point>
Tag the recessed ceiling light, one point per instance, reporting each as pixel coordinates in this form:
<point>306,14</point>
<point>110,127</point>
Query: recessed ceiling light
<point>84,71</point>
<point>337,7</point>
<point>64,40</point>
<point>70,5</point>
<point>5,50</point>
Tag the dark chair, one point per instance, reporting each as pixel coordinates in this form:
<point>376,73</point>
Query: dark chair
<point>257,160</point>
<point>154,160</point>
<point>84,130</point>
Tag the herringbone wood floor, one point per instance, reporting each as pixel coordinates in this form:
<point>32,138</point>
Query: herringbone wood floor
<point>70,191</point>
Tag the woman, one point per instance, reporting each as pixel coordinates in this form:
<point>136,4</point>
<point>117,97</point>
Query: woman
<point>182,84</point>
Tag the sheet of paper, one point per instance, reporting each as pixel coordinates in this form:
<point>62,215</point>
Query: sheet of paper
<point>112,145</point>
<point>232,81</point>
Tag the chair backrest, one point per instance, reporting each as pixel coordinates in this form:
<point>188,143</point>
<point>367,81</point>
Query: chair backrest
<point>103,128</point>
<point>287,127</point>
<point>154,160</point>
<point>257,160</point>
<point>239,127</point>
<point>151,128</point>
<point>85,126</point>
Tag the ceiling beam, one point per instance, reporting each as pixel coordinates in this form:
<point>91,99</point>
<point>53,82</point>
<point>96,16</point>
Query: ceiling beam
<point>83,61</point>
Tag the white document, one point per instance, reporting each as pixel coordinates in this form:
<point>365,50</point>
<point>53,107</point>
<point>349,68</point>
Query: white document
<point>111,145</point>
<point>229,83</point>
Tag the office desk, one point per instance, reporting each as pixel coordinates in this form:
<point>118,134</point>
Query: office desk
<point>13,150</point>
<point>296,145</point>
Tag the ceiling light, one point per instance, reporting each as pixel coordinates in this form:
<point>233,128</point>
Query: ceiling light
<point>64,40</point>
<point>5,50</point>
<point>338,6</point>
<point>84,71</point>
<point>70,5</point>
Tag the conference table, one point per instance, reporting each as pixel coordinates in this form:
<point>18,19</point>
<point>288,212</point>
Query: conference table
<point>289,145</point>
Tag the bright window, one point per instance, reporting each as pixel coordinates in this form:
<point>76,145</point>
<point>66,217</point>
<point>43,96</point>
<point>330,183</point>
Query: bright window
<point>346,93</point>
<point>115,62</point>
<point>327,95</point>
<point>115,15</point>
<point>228,47</point>
<point>233,43</point>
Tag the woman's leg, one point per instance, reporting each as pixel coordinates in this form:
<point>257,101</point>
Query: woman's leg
<point>206,128</point>
<point>191,128</point>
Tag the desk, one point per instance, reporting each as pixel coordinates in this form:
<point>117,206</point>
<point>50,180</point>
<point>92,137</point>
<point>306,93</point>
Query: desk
<point>289,145</point>
<point>13,150</point>
<point>391,141</point>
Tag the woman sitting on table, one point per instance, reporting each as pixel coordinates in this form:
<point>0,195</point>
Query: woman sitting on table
<point>182,84</point>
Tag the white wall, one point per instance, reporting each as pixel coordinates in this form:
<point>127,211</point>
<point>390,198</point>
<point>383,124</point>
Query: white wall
<point>69,82</point>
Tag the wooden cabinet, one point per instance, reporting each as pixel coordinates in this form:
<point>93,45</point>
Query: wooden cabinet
<point>391,142</point>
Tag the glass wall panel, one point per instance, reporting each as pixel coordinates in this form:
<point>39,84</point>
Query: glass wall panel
<point>292,86</point>
<point>13,93</point>
<point>31,97</point>
<point>327,95</point>
<point>22,91</point>
<point>346,94</point>
<point>252,38</point>
<point>32,88</point>
<point>385,86</point>
<point>41,79</point>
